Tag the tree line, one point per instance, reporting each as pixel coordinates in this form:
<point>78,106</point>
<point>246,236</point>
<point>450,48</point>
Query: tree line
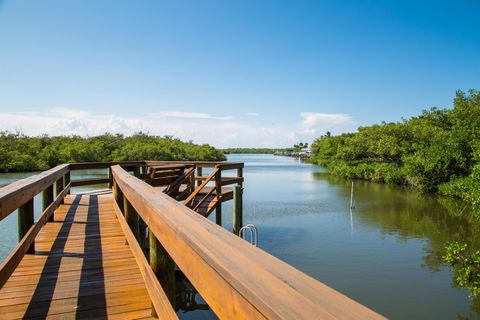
<point>437,151</point>
<point>19,152</point>
<point>252,150</point>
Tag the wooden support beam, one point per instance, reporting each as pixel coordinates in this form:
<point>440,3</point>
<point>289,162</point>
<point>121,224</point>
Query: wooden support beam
<point>199,174</point>
<point>142,235</point>
<point>25,221</point>
<point>110,177</point>
<point>59,186</point>
<point>237,209</point>
<point>164,268</point>
<point>218,213</point>
<point>47,199</point>
<point>131,217</point>
<point>66,181</point>
<point>136,172</point>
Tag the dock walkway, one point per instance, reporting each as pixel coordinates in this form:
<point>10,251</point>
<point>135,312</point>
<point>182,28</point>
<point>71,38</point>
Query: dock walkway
<point>82,268</point>
<point>116,253</point>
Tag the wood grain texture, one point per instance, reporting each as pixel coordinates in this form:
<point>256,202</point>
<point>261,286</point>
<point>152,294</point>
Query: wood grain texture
<point>9,264</point>
<point>236,279</point>
<point>19,192</point>
<point>82,268</point>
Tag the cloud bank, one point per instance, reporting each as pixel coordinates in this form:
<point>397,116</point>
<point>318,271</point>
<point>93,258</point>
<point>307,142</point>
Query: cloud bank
<point>217,130</point>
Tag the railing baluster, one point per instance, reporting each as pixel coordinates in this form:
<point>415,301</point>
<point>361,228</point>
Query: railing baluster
<point>25,221</point>
<point>47,199</point>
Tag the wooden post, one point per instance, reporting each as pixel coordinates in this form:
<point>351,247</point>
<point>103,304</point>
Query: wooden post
<point>351,197</point>
<point>110,177</point>
<point>59,187</point>
<point>199,173</point>
<point>47,199</point>
<point>218,213</point>
<point>142,234</point>
<point>218,190</point>
<point>25,221</point>
<point>237,209</point>
<point>136,172</point>
<point>131,216</point>
<point>164,268</point>
<point>67,180</point>
<point>119,197</point>
<point>240,175</point>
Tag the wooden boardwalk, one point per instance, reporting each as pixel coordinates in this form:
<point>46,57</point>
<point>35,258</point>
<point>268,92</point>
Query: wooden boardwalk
<point>93,260</point>
<point>82,268</point>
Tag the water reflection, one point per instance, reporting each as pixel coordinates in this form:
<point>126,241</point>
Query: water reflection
<point>189,303</point>
<point>385,253</point>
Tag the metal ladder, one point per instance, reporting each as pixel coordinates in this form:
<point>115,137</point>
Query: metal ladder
<point>253,234</point>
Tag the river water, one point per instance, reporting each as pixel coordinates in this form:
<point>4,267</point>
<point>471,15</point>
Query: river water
<point>385,253</point>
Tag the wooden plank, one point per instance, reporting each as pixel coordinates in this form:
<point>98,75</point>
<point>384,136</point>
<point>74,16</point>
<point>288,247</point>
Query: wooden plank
<point>259,287</point>
<point>13,259</point>
<point>81,270</point>
<point>19,192</point>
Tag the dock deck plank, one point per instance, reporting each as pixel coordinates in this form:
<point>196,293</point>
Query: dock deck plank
<point>82,268</point>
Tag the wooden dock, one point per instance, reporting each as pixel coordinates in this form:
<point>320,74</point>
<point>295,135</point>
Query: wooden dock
<point>113,254</point>
<point>82,268</point>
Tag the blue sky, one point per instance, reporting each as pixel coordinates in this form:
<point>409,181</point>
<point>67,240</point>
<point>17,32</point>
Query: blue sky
<point>231,73</point>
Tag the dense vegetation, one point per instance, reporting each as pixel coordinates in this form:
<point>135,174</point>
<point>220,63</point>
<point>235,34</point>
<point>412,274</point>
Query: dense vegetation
<point>436,151</point>
<point>252,150</point>
<point>22,153</point>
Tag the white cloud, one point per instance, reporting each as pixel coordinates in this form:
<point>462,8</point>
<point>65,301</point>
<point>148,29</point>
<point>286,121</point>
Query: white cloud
<point>252,114</point>
<point>191,115</point>
<point>219,131</point>
<point>312,119</point>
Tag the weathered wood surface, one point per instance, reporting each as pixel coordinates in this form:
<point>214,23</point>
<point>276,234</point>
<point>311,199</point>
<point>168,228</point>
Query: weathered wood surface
<point>82,268</point>
<point>236,279</point>
<point>13,259</point>
<point>18,193</point>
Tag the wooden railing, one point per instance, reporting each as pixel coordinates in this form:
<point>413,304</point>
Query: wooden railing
<point>19,195</point>
<point>237,280</point>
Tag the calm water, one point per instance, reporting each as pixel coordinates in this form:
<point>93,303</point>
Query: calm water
<point>385,254</point>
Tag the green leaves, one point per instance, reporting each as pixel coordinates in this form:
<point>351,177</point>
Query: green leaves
<point>466,266</point>
<point>438,150</point>
<point>22,153</point>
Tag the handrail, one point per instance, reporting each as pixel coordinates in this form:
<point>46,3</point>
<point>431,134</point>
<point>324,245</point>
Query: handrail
<point>19,192</point>
<point>13,259</point>
<point>237,280</point>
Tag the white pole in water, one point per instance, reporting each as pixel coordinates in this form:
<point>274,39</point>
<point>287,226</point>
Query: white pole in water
<point>351,197</point>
